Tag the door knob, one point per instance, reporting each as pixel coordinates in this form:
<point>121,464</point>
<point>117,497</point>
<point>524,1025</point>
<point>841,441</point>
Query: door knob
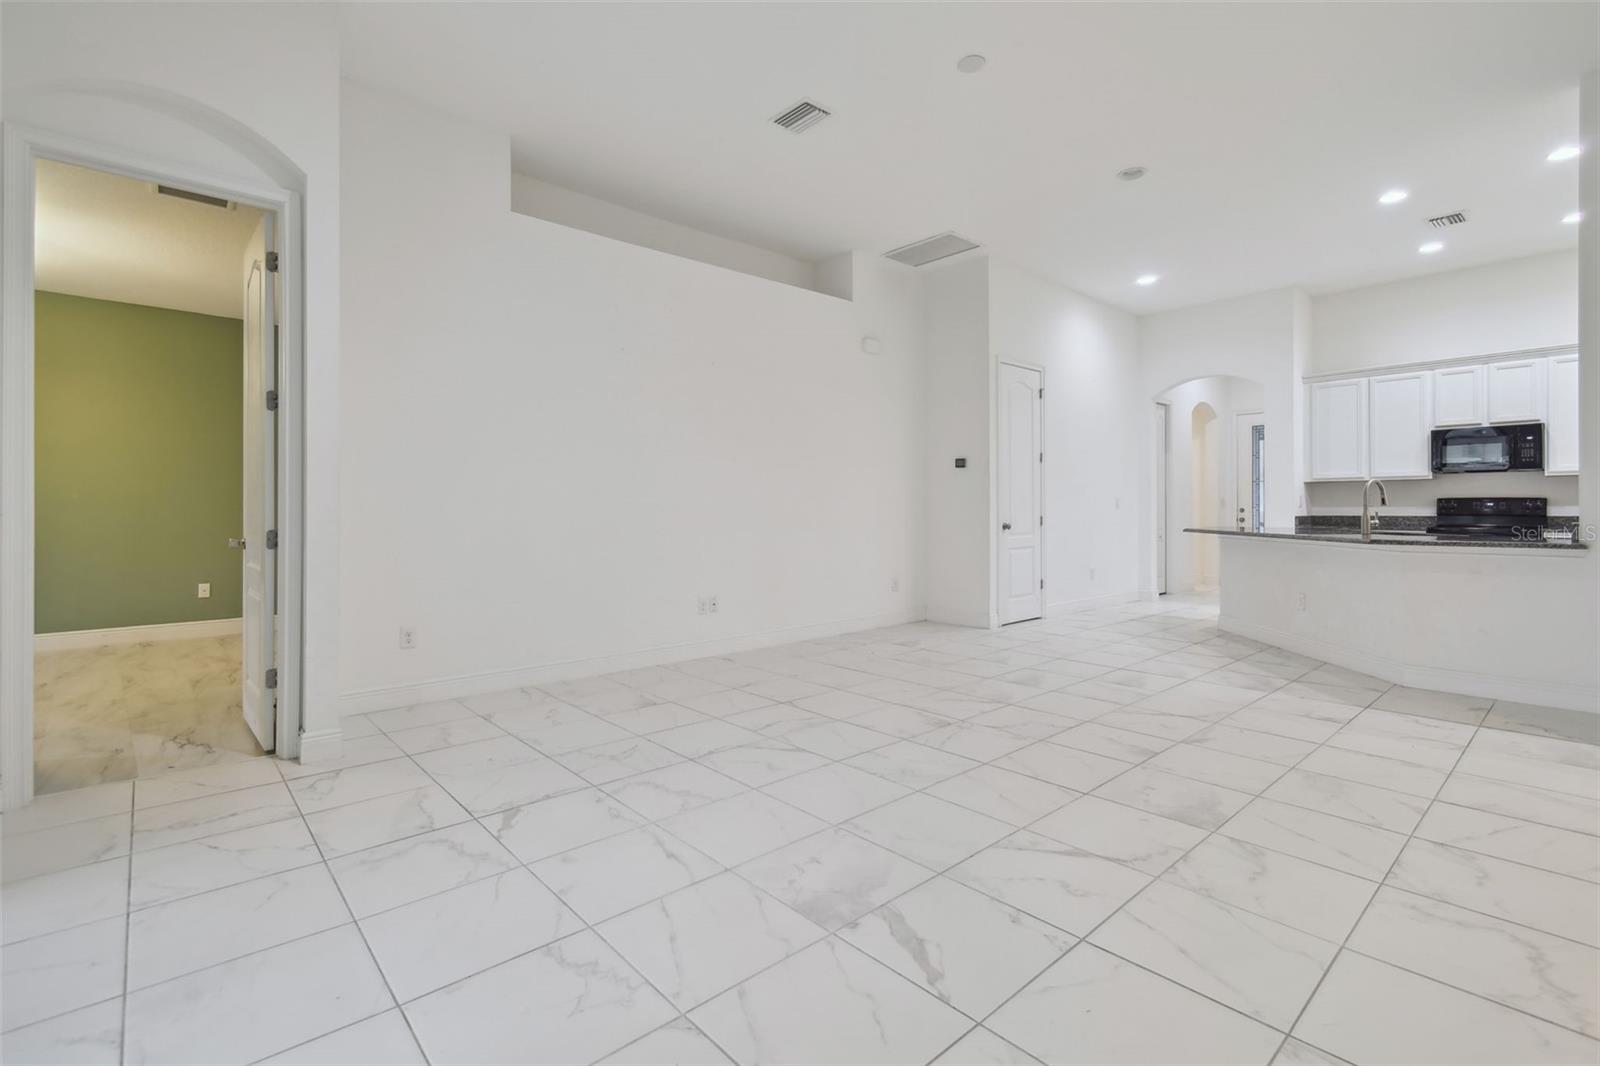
<point>236,542</point>
<point>1005,525</point>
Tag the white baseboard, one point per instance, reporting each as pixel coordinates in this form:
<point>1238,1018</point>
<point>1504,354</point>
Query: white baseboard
<point>94,638</point>
<point>321,746</point>
<point>1086,603</point>
<point>1465,682</point>
<point>450,688</point>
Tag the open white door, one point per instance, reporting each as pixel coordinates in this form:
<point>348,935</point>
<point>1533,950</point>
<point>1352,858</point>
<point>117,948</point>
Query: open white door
<point>1249,472</point>
<point>1161,499</point>
<point>260,486</point>
<point>1019,494</point>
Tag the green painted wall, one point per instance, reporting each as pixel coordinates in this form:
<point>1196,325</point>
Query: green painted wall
<point>138,446</point>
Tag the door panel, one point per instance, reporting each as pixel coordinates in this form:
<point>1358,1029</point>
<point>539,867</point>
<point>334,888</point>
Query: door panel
<point>1019,495</point>
<point>260,489</point>
<point>1249,472</point>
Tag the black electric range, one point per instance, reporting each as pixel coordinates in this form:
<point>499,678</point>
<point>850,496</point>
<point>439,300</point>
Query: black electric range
<point>1491,517</point>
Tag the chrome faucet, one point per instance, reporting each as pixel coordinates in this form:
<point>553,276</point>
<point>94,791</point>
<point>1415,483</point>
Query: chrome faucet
<point>1368,519</point>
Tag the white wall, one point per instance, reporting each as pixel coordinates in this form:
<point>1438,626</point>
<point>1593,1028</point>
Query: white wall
<point>1510,306</point>
<point>541,199</point>
<point>1096,431</point>
<point>556,442</point>
<point>958,404</point>
<point>247,91</point>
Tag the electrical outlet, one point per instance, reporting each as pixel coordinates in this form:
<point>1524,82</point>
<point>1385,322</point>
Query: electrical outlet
<point>894,584</point>
<point>1300,601</point>
<point>703,606</point>
<point>712,604</point>
<point>204,591</point>
<point>408,638</point>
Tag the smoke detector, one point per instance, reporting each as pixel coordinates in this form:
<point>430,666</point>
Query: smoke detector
<point>931,249</point>
<point>801,116</point>
<point>1455,218</point>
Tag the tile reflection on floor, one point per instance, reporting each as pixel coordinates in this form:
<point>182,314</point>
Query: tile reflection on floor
<point>119,711</point>
<point>910,845</point>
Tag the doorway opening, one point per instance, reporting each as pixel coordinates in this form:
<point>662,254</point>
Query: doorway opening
<point>1250,471</point>
<point>155,473</point>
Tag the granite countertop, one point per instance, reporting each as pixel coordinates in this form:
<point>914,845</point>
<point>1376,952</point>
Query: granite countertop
<point>1394,539</point>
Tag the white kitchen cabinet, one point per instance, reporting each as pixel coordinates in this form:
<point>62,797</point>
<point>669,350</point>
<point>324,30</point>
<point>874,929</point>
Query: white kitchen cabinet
<point>1458,396</point>
<point>1337,434</point>
<point>1400,414</point>
<point>1561,425</point>
<point>1517,390</point>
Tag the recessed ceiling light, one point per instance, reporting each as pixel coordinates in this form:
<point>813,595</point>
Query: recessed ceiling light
<point>1431,247</point>
<point>1572,218</point>
<point>970,64</point>
<point>1131,173</point>
<point>1147,279</point>
<point>1392,197</point>
<point>1564,153</point>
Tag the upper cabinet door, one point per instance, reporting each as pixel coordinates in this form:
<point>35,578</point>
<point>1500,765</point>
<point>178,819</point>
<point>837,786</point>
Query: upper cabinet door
<point>1458,398</point>
<point>1337,441</point>
<point>1561,431</point>
<point>1400,412</point>
<point>1517,391</point>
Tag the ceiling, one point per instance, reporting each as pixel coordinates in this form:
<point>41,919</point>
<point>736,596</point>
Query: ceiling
<point>1268,130</point>
<point>114,238</point>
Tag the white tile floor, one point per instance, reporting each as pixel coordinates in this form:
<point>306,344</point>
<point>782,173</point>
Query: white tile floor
<point>1115,836</point>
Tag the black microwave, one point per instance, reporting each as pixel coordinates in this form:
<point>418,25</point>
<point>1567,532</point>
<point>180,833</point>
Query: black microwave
<point>1474,448</point>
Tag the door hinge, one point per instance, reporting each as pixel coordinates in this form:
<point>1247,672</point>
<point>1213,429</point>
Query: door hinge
<point>1041,392</point>
<point>272,677</point>
<point>272,538</point>
<point>1041,457</point>
<point>1041,582</point>
<point>1041,520</point>
<point>272,262</point>
<point>272,399</point>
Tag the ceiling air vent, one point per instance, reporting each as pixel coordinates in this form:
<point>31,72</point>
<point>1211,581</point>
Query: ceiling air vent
<point>1453,219</point>
<point>197,197</point>
<point>802,116</point>
<point>921,253</point>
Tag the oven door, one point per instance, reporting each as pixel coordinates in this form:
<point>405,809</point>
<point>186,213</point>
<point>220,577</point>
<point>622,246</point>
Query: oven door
<point>1461,451</point>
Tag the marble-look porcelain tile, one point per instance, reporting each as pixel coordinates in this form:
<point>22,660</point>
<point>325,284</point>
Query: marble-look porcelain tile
<point>702,738</point>
<point>1367,804</point>
<point>605,763</point>
<point>1299,1053</point>
<point>203,781</point>
<point>551,826</point>
<point>1546,749</point>
<point>980,1047</point>
<point>1434,754</point>
<point>837,740</point>
<point>190,934</point>
<point>1554,903</point>
<point>1112,742</point>
<point>829,1003</point>
<point>1003,794</point>
<point>1581,814</point>
<point>1065,886</point>
<point>1217,767</point>
<point>1092,1007</point>
<point>445,735</point>
<point>52,902</point>
<point>1145,841</point>
<point>1449,706</point>
<point>673,789</point>
<point>46,851</point>
<point>166,874</point>
<point>968,949</point>
<point>358,725</point>
<point>77,805</point>
<point>255,1006</point>
<point>1362,850</point>
<point>724,702</point>
<point>1288,720</point>
<point>1180,798</point>
<point>1369,1011</point>
<point>762,762</point>
<point>1070,705</point>
<point>391,874</point>
<point>835,792</point>
<point>326,791</point>
<point>980,743</point>
<point>491,775</point>
<point>1545,773</point>
<point>1560,722</point>
<point>1545,975</point>
<point>833,877</point>
<point>420,714</point>
<point>676,1042</point>
<point>929,831</point>
<point>1253,744</point>
<point>59,972</point>
<point>1063,766</point>
<point>368,823</point>
<point>911,764</point>
<point>357,752</point>
<point>1377,770</point>
<point>656,717</point>
<point>572,1001</point>
<point>173,823</point>
<point>1294,892</point>
<point>384,1038</point>
<point>427,944</point>
<point>1255,965</point>
<point>741,827</point>
<point>1558,850</point>
<point>899,721</point>
<point>695,943</point>
<point>610,876</point>
<point>90,1036</point>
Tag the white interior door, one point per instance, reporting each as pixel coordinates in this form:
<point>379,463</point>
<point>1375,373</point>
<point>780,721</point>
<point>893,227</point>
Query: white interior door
<point>1250,471</point>
<point>1020,494</point>
<point>260,487</point>
<point>1161,499</point>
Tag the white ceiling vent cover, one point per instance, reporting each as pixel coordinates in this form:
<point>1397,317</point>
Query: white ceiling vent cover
<point>931,250</point>
<point>1455,218</point>
<point>802,116</point>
